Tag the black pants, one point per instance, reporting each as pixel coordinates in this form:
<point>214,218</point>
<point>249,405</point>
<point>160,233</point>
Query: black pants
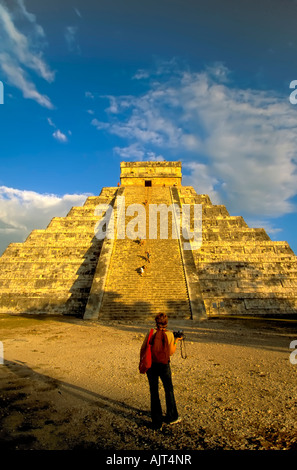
<point>164,372</point>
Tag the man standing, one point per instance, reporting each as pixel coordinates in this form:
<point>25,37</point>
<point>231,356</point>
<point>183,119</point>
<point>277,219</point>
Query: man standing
<point>163,346</point>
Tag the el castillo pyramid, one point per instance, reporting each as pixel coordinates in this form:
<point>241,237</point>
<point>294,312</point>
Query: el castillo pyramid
<point>67,269</point>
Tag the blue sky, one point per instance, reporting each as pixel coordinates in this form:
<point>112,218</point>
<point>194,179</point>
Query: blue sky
<point>88,84</point>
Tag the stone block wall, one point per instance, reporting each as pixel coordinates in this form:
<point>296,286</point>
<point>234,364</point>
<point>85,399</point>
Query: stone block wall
<point>52,271</point>
<point>157,173</point>
<point>237,269</point>
<point>241,267</point>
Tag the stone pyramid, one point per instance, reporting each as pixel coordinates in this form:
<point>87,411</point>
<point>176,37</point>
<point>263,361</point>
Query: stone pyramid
<point>68,269</point>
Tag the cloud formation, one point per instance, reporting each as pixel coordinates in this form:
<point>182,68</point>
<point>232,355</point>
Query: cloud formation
<point>23,211</point>
<point>70,38</point>
<point>237,145</point>
<point>58,135</point>
<point>137,152</point>
<point>19,57</point>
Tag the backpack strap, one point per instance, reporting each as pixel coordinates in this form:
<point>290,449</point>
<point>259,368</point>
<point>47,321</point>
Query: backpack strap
<point>154,336</point>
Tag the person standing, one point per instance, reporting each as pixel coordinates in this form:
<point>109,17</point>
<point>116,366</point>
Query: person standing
<point>163,347</point>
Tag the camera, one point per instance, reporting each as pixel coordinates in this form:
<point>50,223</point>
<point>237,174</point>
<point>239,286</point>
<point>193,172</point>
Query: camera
<point>179,334</point>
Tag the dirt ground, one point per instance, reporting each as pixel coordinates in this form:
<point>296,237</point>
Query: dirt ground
<point>69,384</point>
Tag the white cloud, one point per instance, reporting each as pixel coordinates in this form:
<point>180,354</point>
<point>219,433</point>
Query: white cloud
<point>23,211</point>
<point>240,144</point>
<point>32,18</point>
<point>70,37</point>
<point>140,74</point>
<point>17,77</point>
<point>99,124</point>
<point>77,12</point>
<point>18,56</point>
<point>51,123</point>
<point>268,226</point>
<point>58,135</point>
<point>153,157</point>
<point>113,107</point>
<point>137,152</point>
<point>202,180</point>
<point>133,151</point>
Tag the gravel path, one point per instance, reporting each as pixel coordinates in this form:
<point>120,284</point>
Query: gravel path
<point>73,384</point>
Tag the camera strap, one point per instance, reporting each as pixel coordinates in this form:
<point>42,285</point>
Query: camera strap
<point>183,349</point>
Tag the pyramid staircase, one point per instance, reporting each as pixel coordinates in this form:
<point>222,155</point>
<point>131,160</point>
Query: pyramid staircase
<point>66,269</point>
<point>163,287</point>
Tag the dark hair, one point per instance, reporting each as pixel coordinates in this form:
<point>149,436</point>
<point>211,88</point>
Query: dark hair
<point>161,320</point>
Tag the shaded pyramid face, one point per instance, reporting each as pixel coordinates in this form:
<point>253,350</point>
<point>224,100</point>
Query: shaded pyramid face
<point>68,269</point>
<point>53,270</point>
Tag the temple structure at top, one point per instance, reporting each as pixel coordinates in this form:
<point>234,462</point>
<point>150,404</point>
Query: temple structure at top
<point>151,173</point>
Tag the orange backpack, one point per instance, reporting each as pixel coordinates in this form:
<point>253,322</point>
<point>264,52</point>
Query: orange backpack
<point>145,362</point>
<point>160,347</point>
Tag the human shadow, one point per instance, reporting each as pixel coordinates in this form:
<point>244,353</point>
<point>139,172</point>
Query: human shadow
<point>46,383</point>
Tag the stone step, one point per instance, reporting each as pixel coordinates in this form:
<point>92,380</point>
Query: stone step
<point>234,296</point>
<point>151,304</point>
<point>248,260</point>
<point>53,270</point>
<point>241,292</point>
<point>250,277</point>
<point>57,237</point>
<point>145,307</point>
<point>239,307</point>
<point>163,282</point>
<point>48,252</point>
<point>262,247</point>
<point>213,235</point>
<point>57,283</point>
<point>157,296</point>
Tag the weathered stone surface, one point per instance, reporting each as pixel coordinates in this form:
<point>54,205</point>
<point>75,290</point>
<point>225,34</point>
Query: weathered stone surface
<point>163,287</point>
<point>151,173</point>
<point>52,271</point>
<point>65,269</point>
<point>241,271</point>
